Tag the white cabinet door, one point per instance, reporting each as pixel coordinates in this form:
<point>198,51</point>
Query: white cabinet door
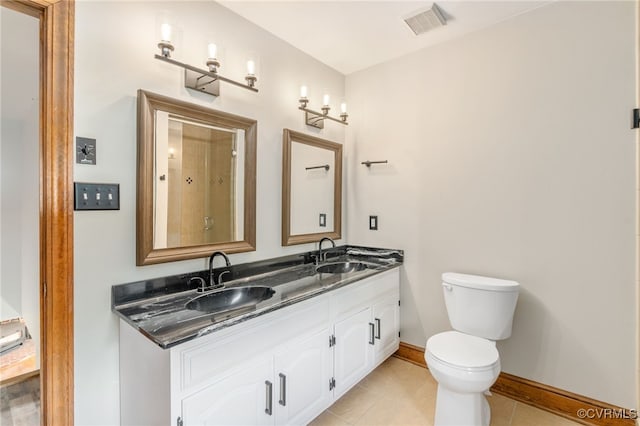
<point>353,354</point>
<point>302,374</point>
<point>242,398</point>
<point>386,318</point>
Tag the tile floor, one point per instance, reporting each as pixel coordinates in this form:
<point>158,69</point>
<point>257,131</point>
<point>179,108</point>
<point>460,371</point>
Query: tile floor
<point>20,403</point>
<point>401,393</point>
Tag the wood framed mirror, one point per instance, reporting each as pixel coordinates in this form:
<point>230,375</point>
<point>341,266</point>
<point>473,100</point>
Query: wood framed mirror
<point>196,181</point>
<point>311,188</point>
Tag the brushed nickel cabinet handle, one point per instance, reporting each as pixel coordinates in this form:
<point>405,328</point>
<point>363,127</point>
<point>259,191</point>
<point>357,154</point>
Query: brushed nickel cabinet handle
<point>283,390</point>
<point>269,397</point>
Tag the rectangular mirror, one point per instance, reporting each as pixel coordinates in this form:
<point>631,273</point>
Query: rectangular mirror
<point>196,181</point>
<point>199,193</point>
<point>311,188</point>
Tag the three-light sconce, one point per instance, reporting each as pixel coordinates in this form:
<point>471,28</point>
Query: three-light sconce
<point>207,81</point>
<point>315,118</point>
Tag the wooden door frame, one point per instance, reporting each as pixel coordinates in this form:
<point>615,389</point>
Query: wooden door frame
<point>637,3</point>
<point>56,204</point>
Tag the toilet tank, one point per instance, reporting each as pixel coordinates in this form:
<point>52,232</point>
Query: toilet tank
<point>480,306</point>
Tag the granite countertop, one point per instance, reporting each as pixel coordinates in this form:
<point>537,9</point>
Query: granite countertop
<point>157,307</point>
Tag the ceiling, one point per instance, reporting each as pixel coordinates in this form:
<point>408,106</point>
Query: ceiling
<point>351,35</point>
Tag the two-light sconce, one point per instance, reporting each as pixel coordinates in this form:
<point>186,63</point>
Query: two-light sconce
<point>207,81</point>
<point>315,118</point>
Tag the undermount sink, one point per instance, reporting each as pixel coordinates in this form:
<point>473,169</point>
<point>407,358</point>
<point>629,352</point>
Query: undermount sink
<point>230,299</point>
<point>342,267</point>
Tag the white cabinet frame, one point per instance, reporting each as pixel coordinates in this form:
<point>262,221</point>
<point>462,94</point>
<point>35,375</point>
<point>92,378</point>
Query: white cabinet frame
<point>188,382</point>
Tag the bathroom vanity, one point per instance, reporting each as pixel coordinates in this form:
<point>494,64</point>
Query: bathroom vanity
<point>281,360</point>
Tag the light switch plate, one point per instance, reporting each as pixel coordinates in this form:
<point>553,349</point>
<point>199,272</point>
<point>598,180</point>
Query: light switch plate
<point>373,223</point>
<point>323,220</point>
<point>96,196</point>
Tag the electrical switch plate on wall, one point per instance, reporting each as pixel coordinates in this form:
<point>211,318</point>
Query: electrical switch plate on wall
<point>373,223</point>
<point>96,196</point>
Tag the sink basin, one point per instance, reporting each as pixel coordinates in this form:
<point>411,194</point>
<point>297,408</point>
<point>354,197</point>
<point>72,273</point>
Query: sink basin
<point>341,267</point>
<point>230,299</point>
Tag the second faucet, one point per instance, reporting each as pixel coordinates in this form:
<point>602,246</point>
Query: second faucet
<point>319,257</point>
<point>212,282</point>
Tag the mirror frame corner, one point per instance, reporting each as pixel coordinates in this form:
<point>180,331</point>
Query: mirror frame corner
<point>146,254</point>
<point>288,137</point>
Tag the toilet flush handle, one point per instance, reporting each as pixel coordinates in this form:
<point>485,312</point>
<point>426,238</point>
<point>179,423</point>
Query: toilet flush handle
<point>447,287</point>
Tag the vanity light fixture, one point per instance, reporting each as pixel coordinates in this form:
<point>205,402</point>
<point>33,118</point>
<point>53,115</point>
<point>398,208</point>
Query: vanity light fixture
<point>207,81</point>
<point>165,44</point>
<point>315,118</point>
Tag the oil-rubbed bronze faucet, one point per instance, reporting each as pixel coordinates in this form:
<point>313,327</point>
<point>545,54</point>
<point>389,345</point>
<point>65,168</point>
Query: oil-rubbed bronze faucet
<point>212,282</point>
<point>203,286</point>
<point>319,257</point>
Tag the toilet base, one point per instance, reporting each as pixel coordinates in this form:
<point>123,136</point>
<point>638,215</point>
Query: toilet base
<point>461,409</point>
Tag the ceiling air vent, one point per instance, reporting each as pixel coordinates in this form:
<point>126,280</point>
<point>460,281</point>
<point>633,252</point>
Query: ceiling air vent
<point>426,20</point>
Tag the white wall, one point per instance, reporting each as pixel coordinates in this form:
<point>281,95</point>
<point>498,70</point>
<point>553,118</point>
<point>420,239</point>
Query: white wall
<point>311,190</point>
<point>20,171</point>
<point>115,44</point>
<point>510,155</point>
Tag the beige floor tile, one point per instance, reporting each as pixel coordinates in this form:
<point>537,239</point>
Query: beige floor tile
<point>327,418</point>
<point>352,405</point>
<point>392,412</point>
<point>407,395</point>
<point>502,409</point>
<point>397,377</point>
<point>425,400</point>
<point>403,394</point>
<point>526,415</point>
<point>431,384</point>
<point>378,379</point>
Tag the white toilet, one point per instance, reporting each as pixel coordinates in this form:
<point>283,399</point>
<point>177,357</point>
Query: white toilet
<point>465,362</point>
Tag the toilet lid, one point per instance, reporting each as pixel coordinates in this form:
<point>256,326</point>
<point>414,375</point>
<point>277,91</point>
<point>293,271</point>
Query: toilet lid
<point>463,350</point>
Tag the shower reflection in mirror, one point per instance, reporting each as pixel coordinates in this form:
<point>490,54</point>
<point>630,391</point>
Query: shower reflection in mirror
<point>202,195</point>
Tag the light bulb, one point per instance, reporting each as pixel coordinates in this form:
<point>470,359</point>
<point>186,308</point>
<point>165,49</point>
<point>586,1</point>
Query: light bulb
<point>343,107</point>
<point>165,32</point>
<point>251,73</point>
<point>213,51</point>
<point>325,99</point>
<point>303,91</point>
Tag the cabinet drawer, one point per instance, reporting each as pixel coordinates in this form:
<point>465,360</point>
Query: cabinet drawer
<point>345,300</point>
<point>213,355</point>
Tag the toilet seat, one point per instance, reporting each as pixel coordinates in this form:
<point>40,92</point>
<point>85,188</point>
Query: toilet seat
<point>463,351</point>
